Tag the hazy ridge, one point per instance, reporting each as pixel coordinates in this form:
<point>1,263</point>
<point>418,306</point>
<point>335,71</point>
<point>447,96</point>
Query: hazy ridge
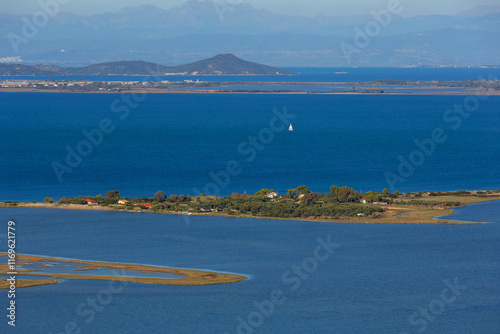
<point>202,29</point>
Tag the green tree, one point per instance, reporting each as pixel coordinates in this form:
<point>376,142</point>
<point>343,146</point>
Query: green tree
<point>112,194</point>
<point>310,198</point>
<point>48,200</point>
<point>385,191</point>
<point>344,194</point>
<point>160,195</point>
<point>302,190</point>
<point>263,192</point>
<point>334,190</point>
<point>292,193</point>
<point>64,200</point>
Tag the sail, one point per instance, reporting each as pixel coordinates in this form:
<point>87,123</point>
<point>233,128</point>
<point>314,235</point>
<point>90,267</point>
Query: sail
<point>290,128</point>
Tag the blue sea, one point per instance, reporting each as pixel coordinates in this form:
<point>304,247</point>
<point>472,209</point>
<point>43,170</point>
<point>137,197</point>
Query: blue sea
<point>363,278</point>
<point>86,144</point>
<point>376,278</point>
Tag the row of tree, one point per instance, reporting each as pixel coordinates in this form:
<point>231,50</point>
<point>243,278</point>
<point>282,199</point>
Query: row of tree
<point>262,206</point>
<point>301,194</point>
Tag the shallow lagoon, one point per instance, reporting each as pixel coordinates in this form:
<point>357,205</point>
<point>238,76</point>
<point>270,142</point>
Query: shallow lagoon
<point>54,267</point>
<point>373,282</point>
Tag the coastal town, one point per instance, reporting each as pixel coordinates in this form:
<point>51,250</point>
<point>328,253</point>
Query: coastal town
<point>92,86</point>
<point>193,85</point>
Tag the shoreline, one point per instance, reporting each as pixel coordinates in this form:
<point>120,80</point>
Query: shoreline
<point>395,213</point>
<point>434,91</point>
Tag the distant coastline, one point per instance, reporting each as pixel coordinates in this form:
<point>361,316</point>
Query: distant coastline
<point>436,91</point>
<point>221,64</point>
<point>196,86</point>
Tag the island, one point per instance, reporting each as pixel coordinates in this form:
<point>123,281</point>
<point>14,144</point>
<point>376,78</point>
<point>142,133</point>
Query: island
<point>342,205</point>
<point>194,85</point>
<point>222,64</point>
<point>152,78</point>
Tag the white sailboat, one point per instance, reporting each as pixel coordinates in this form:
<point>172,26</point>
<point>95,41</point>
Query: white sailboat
<point>290,128</point>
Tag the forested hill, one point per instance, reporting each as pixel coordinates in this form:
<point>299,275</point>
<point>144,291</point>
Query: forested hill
<point>223,64</point>
<point>227,64</point>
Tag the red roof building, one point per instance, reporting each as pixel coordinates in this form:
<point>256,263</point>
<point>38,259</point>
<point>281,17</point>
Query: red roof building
<point>146,205</point>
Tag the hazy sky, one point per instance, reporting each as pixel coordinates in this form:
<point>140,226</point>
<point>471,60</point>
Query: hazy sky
<point>289,7</point>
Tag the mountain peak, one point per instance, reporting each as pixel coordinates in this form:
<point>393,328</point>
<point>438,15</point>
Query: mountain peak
<point>143,8</point>
<point>227,64</point>
<point>222,64</point>
<point>479,11</point>
<point>226,56</point>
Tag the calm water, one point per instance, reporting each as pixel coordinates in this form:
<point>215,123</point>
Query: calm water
<point>373,282</point>
<point>329,87</point>
<point>78,269</point>
<point>183,144</point>
<point>312,75</point>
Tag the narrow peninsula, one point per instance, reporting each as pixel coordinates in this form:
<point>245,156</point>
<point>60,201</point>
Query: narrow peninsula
<point>341,204</point>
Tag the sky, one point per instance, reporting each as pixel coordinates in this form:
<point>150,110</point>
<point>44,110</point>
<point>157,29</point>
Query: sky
<point>308,8</point>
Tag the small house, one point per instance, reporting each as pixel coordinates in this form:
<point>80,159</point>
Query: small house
<point>123,202</point>
<point>272,195</point>
<point>91,202</point>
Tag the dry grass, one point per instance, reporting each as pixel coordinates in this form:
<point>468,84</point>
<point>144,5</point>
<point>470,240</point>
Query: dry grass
<point>85,269</point>
<point>24,283</point>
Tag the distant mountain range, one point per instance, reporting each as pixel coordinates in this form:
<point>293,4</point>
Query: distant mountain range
<point>479,11</point>
<point>223,64</point>
<point>200,28</point>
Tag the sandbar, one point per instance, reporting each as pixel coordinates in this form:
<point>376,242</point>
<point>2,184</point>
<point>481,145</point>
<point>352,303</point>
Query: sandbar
<point>186,276</point>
